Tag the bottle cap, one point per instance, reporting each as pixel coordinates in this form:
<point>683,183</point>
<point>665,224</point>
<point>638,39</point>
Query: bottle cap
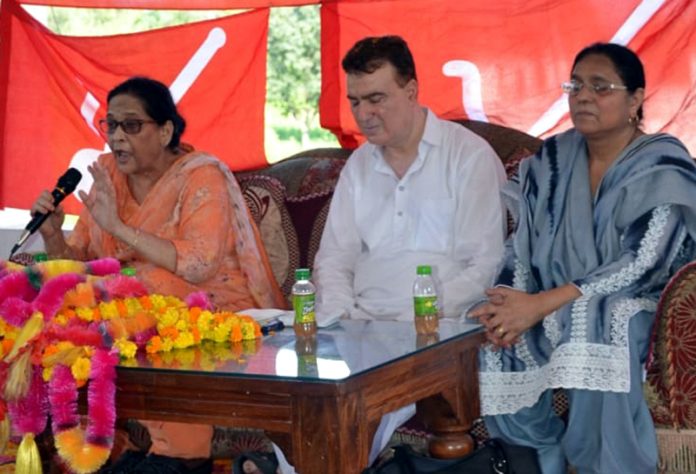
<point>128,271</point>
<point>302,274</point>
<point>424,270</point>
<point>41,257</point>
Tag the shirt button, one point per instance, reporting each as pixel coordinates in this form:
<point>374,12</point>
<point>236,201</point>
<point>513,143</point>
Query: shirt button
<point>399,213</point>
<point>401,188</point>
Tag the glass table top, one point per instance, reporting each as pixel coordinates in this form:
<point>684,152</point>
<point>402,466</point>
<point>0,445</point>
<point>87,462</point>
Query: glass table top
<point>347,348</point>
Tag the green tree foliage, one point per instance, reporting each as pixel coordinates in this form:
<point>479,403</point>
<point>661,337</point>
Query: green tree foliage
<point>102,22</point>
<point>294,76</point>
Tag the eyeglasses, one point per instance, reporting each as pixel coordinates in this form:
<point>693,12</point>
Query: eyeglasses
<point>573,88</point>
<point>131,126</point>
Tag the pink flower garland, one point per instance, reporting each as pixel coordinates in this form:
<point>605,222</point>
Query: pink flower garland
<point>85,453</point>
<point>29,414</point>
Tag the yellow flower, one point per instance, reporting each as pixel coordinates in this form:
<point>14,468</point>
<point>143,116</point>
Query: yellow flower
<point>128,363</point>
<point>47,374</point>
<point>80,369</point>
<point>126,348</point>
<point>64,345</point>
<point>84,313</point>
<point>167,345</point>
<point>184,340</point>
<point>168,318</point>
<point>248,331</point>
<point>61,320</point>
<point>108,310</point>
<point>182,323</point>
<point>204,321</point>
<point>133,305</point>
<point>157,301</point>
<point>221,332</point>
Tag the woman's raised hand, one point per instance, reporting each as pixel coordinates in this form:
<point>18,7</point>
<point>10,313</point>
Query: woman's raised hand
<point>101,200</point>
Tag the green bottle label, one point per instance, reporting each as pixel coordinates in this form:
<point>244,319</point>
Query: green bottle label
<point>128,271</point>
<point>304,308</point>
<point>425,306</point>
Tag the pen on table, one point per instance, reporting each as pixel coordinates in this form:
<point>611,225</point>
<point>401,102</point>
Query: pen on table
<point>271,325</point>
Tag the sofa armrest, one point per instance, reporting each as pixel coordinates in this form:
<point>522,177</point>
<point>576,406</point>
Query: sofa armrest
<point>672,367</point>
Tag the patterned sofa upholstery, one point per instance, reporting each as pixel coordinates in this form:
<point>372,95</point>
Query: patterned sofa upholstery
<point>290,200</point>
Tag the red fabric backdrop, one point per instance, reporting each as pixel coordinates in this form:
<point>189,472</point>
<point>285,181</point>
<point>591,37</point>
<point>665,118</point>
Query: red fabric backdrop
<point>499,61</point>
<point>172,4</point>
<point>54,91</point>
<point>509,57</point>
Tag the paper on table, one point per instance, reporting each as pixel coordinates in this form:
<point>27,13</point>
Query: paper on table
<point>287,316</point>
<point>261,315</point>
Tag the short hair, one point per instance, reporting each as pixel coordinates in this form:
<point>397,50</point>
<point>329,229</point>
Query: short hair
<point>157,101</point>
<point>626,63</point>
<point>371,53</point>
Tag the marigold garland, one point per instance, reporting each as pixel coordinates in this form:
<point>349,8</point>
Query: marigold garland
<point>64,324</point>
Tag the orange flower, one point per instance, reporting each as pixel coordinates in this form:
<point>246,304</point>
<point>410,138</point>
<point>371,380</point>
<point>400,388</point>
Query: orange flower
<point>196,334</point>
<point>154,345</point>
<point>170,331</point>
<point>236,333</point>
<point>194,313</point>
<point>122,309</point>
<point>145,302</point>
<point>7,345</point>
<point>50,349</point>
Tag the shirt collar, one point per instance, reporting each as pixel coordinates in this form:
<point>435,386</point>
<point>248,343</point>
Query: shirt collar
<point>432,137</point>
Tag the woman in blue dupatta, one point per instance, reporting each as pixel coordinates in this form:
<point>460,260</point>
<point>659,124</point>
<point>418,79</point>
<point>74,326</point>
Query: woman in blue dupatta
<point>605,214</point>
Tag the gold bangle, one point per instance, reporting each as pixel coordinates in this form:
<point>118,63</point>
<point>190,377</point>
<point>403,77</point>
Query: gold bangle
<point>135,240</point>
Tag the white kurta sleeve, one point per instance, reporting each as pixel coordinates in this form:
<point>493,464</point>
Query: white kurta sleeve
<point>335,260</point>
<point>479,231</point>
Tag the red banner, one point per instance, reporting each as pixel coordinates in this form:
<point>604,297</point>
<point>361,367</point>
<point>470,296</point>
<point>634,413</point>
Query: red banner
<point>172,4</point>
<point>53,91</point>
<point>504,61</point>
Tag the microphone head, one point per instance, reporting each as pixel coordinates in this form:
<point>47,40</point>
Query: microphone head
<point>69,181</point>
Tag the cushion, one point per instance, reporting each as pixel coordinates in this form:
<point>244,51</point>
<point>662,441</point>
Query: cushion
<point>672,371</point>
<point>512,164</point>
<point>308,214</point>
<point>265,197</point>
<point>321,177</point>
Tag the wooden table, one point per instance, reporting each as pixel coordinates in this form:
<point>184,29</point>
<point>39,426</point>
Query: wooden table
<point>324,418</point>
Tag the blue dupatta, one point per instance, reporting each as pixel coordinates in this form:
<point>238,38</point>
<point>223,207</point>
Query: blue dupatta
<point>618,247</point>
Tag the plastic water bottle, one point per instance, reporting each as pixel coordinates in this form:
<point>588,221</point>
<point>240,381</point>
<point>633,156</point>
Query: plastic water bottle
<point>425,304</point>
<point>303,302</point>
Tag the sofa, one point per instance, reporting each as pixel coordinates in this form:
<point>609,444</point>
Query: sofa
<point>289,201</point>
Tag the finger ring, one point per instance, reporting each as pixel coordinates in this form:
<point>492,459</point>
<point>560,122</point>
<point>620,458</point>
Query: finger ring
<point>500,330</point>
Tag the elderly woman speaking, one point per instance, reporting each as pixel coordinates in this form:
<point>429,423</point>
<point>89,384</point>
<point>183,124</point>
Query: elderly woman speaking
<point>176,215</point>
<point>605,214</point>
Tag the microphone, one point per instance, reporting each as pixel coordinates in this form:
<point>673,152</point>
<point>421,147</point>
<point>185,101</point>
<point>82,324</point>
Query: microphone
<point>66,185</point>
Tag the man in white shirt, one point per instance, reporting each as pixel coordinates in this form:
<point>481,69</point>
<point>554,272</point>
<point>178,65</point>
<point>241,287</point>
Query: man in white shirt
<point>421,191</point>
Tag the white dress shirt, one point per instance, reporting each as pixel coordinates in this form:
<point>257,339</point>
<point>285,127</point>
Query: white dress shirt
<point>445,212</point>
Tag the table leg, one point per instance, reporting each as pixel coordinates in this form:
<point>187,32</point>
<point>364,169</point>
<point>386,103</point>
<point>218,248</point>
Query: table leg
<point>330,435</point>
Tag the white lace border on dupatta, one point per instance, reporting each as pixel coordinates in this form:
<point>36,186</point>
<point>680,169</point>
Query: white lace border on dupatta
<point>588,366</point>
